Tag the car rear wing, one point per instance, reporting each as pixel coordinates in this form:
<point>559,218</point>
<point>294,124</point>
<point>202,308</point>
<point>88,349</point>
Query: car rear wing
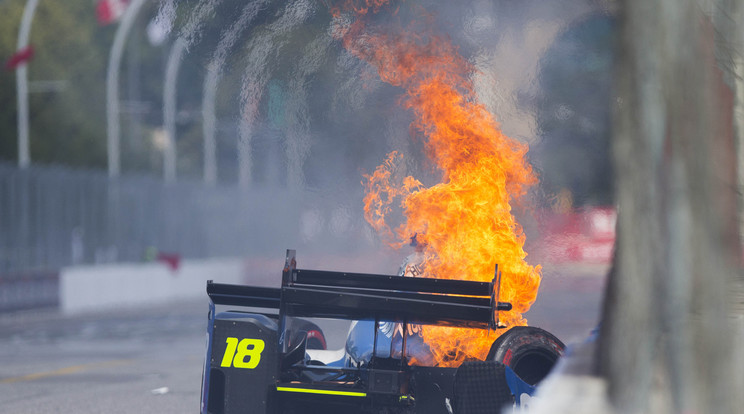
<point>343,295</point>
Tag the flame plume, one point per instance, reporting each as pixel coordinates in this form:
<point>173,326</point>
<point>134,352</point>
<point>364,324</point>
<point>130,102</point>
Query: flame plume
<point>465,221</point>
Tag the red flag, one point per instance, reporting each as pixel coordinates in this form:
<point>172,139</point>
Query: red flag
<point>19,58</point>
<point>173,260</point>
<point>110,11</point>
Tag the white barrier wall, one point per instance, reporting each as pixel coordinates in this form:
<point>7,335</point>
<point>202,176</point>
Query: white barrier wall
<point>89,288</point>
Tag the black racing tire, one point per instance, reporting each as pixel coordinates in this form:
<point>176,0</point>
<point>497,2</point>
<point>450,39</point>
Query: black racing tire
<point>529,351</point>
<point>315,337</point>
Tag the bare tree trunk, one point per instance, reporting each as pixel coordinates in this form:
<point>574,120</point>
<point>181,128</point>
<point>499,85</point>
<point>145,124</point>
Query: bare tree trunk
<point>667,343</point>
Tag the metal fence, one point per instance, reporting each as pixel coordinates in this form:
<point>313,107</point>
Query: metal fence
<point>51,217</point>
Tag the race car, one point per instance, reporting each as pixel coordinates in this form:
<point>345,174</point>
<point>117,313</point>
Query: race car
<point>266,355</point>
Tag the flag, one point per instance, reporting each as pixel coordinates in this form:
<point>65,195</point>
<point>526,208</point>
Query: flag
<point>19,58</point>
<point>110,11</point>
<point>172,260</point>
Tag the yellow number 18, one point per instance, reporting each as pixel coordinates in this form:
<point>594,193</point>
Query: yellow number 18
<point>237,351</point>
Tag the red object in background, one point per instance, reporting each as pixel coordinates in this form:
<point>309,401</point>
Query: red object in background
<point>173,260</point>
<point>19,58</point>
<point>582,236</point>
<point>110,11</point>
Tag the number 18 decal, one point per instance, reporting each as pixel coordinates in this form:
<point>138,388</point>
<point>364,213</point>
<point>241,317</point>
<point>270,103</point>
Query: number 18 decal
<point>237,351</point>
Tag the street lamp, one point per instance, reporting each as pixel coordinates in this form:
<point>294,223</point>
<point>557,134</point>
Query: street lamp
<point>112,87</point>
<point>24,159</point>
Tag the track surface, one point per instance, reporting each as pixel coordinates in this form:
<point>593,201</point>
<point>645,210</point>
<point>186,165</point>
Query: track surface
<point>105,363</point>
<point>150,360</point>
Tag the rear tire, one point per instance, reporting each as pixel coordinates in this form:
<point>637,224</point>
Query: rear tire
<point>529,351</point>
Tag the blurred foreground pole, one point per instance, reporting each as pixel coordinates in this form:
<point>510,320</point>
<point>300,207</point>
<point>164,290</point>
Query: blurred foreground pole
<point>671,334</point>
<point>24,157</point>
<point>733,30</point>
<point>736,33</point>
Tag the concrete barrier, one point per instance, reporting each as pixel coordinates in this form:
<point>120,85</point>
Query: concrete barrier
<point>89,288</point>
<point>29,290</point>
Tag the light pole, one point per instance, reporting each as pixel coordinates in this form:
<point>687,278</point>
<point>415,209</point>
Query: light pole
<point>24,159</point>
<point>188,35</point>
<point>169,108</point>
<point>112,87</point>
<point>214,73</point>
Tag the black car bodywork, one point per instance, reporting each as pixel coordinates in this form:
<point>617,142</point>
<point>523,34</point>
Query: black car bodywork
<point>259,357</point>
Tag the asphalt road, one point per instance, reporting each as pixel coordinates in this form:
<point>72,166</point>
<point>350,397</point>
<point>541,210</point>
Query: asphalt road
<point>150,360</point>
<point>135,361</point>
<point>569,301</point>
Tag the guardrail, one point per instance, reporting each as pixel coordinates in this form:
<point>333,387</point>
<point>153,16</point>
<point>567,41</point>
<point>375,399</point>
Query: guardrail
<point>29,290</point>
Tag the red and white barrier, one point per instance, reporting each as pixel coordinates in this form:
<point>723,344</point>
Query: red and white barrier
<point>581,236</point>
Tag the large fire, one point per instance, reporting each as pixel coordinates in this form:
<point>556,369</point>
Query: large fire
<point>465,222</point>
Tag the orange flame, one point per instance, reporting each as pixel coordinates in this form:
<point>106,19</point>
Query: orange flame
<point>465,221</point>
<point>358,7</point>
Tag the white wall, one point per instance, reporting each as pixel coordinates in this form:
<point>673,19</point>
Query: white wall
<point>90,288</point>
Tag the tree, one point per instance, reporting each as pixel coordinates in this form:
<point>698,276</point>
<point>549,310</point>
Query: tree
<point>70,50</point>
